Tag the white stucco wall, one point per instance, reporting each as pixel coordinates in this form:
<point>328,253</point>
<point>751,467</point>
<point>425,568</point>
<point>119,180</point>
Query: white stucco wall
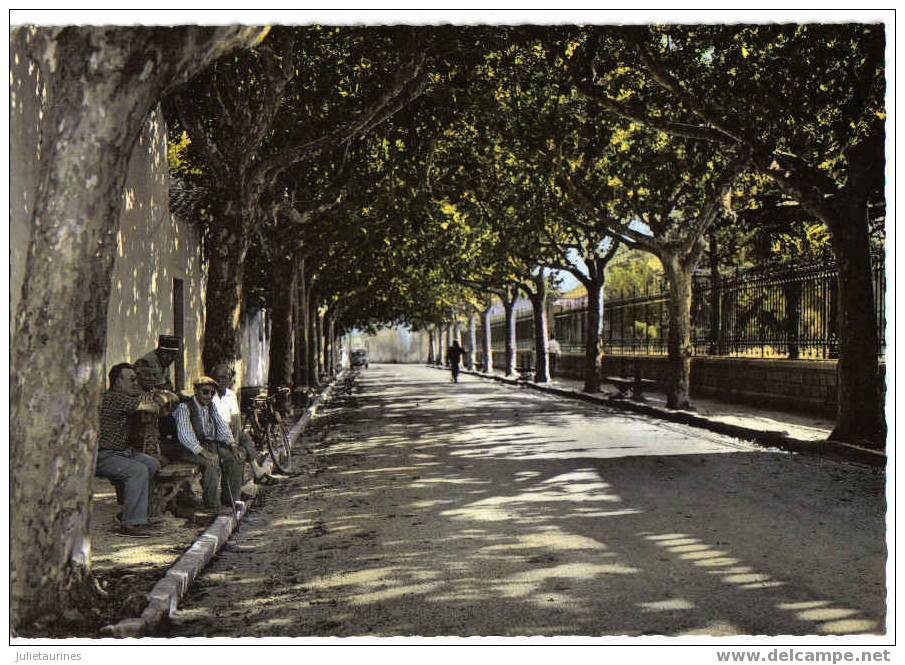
<point>153,246</point>
<point>255,350</point>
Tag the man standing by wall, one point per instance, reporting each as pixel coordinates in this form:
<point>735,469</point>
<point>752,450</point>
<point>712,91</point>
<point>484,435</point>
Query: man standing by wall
<point>153,368</point>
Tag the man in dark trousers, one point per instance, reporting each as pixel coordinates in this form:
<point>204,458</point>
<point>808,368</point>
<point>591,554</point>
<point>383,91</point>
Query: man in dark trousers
<point>453,358</point>
<point>208,442</point>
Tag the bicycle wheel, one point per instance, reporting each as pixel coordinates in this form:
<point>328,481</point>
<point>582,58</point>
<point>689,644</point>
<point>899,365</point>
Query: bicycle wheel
<point>279,448</point>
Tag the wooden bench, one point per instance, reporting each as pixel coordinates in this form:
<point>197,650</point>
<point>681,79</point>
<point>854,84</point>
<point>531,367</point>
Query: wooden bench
<point>171,477</point>
<point>165,486</point>
<point>167,483</point>
<point>636,386</point>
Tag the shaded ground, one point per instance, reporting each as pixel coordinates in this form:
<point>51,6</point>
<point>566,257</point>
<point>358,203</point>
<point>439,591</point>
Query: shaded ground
<point>806,427</point>
<point>480,509</point>
<point>125,569</point>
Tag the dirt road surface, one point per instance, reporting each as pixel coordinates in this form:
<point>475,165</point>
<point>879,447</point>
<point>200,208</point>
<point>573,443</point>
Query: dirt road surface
<point>429,508</point>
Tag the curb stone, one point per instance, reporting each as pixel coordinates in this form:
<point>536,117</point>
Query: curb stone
<point>827,448</point>
<point>164,598</point>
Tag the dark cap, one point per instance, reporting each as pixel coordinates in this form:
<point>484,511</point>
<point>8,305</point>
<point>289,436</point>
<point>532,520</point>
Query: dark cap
<point>168,343</point>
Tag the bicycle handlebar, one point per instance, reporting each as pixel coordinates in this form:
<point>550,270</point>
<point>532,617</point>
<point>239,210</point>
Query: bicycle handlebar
<point>282,391</point>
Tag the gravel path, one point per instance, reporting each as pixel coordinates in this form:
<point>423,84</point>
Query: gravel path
<point>431,508</point>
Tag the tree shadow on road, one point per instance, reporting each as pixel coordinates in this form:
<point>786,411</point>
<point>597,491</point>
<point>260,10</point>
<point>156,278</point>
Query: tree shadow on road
<point>471,510</point>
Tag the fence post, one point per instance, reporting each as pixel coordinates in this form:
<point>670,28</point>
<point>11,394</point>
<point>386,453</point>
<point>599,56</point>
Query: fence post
<point>833,331</point>
<point>792,293</point>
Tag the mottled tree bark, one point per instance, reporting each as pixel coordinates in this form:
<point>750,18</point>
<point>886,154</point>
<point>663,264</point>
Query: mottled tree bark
<point>680,252</point>
<point>593,283</point>
<point>103,83</point>
<point>284,269</point>
<point>319,342</point>
<point>472,341</point>
<point>301,327</point>
<point>859,417</point>
<point>508,298</point>
<point>486,339</point>
<point>313,380</point>
<point>227,247</point>
<point>593,343</point>
<point>679,276</point>
<point>538,298</point>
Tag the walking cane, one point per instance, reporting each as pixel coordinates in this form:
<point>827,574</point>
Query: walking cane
<point>229,489</point>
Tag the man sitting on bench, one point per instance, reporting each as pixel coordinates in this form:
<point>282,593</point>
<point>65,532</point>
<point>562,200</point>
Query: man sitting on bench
<point>206,441</point>
<point>117,461</point>
<point>227,404</point>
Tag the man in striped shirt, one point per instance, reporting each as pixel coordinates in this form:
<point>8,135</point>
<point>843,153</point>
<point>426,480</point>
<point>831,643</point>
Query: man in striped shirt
<point>201,432</point>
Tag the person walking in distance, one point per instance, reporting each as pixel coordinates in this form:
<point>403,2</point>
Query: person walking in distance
<point>453,357</point>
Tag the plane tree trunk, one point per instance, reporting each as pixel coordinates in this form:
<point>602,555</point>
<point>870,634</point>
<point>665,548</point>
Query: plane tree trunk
<point>508,298</point>
<point>104,81</point>
<point>859,417</point>
<point>472,341</point>
<point>328,341</point>
<point>538,298</point>
<point>285,270</point>
<point>301,327</point>
<point>313,380</point>
<point>593,344</point>
<point>679,277</point>
<point>486,340</point>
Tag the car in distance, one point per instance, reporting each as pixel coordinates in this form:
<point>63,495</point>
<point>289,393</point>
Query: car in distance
<point>360,358</point>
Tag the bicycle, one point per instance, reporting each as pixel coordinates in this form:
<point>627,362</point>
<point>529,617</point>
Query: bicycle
<point>267,431</point>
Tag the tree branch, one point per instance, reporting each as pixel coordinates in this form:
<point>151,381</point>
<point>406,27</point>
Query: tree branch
<point>193,123</point>
<point>408,84</point>
<point>693,102</point>
<point>711,207</point>
<point>581,69</point>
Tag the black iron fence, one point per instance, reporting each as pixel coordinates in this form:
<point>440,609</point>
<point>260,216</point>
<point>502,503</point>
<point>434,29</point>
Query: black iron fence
<point>784,311</point>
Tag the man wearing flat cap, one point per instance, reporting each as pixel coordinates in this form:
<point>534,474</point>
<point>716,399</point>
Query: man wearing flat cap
<point>207,441</point>
<point>153,368</point>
